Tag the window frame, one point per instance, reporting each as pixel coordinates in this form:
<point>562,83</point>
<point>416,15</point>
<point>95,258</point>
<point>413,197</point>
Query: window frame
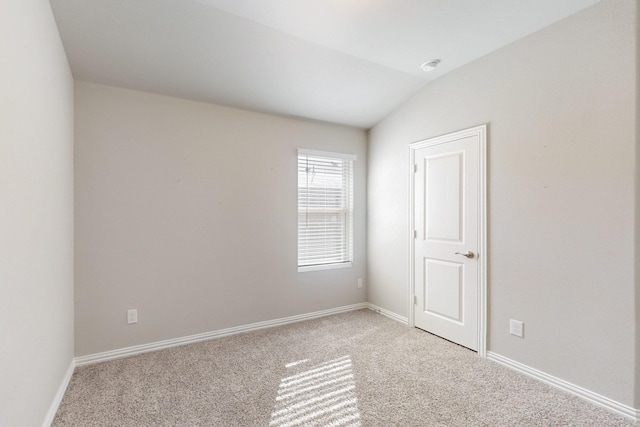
<point>348,191</point>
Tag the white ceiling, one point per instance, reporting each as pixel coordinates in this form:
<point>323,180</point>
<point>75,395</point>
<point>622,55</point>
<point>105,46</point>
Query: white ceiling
<point>343,61</point>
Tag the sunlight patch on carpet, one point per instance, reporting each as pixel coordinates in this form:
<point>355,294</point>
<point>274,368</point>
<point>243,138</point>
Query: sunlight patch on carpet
<point>323,395</point>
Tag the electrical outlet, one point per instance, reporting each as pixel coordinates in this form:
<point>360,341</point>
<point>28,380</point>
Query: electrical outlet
<point>359,283</point>
<point>516,328</point>
<point>132,316</point>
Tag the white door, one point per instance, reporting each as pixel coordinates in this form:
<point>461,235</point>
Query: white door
<point>448,215</point>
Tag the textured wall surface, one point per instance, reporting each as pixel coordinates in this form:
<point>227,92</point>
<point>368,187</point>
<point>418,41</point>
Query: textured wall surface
<point>36,212</point>
<point>560,107</point>
<point>188,212</point>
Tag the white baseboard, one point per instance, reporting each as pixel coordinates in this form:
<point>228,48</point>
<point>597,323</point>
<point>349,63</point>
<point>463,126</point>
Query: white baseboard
<point>51,413</point>
<point>159,345</point>
<point>389,314</point>
<point>590,396</point>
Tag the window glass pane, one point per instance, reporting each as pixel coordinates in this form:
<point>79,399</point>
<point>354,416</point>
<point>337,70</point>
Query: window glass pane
<point>325,202</point>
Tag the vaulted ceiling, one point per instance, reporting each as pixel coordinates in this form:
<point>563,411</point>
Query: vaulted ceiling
<point>342,61</point>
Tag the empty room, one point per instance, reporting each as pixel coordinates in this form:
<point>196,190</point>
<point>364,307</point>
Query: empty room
<point>319,213</point>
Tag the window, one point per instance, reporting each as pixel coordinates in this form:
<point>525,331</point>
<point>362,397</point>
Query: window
<point>325,210</point>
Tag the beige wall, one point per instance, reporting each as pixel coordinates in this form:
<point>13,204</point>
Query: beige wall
<point>560,106</point>
<point>187,211</point>
<point>36,212</point>
<point>637,204</point>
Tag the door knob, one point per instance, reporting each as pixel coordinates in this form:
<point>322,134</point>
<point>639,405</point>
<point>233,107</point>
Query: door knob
<point>468,254</point>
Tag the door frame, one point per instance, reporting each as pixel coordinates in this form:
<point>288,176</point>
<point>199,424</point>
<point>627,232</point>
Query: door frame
<point>481,133</point>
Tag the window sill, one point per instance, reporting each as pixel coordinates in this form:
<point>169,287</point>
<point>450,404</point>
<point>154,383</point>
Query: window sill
<point>325,267</point>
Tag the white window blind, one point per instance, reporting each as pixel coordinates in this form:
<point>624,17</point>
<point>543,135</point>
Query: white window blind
<point>325,210</point>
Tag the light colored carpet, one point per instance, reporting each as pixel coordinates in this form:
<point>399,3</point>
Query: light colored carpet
<point>351,369</point>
